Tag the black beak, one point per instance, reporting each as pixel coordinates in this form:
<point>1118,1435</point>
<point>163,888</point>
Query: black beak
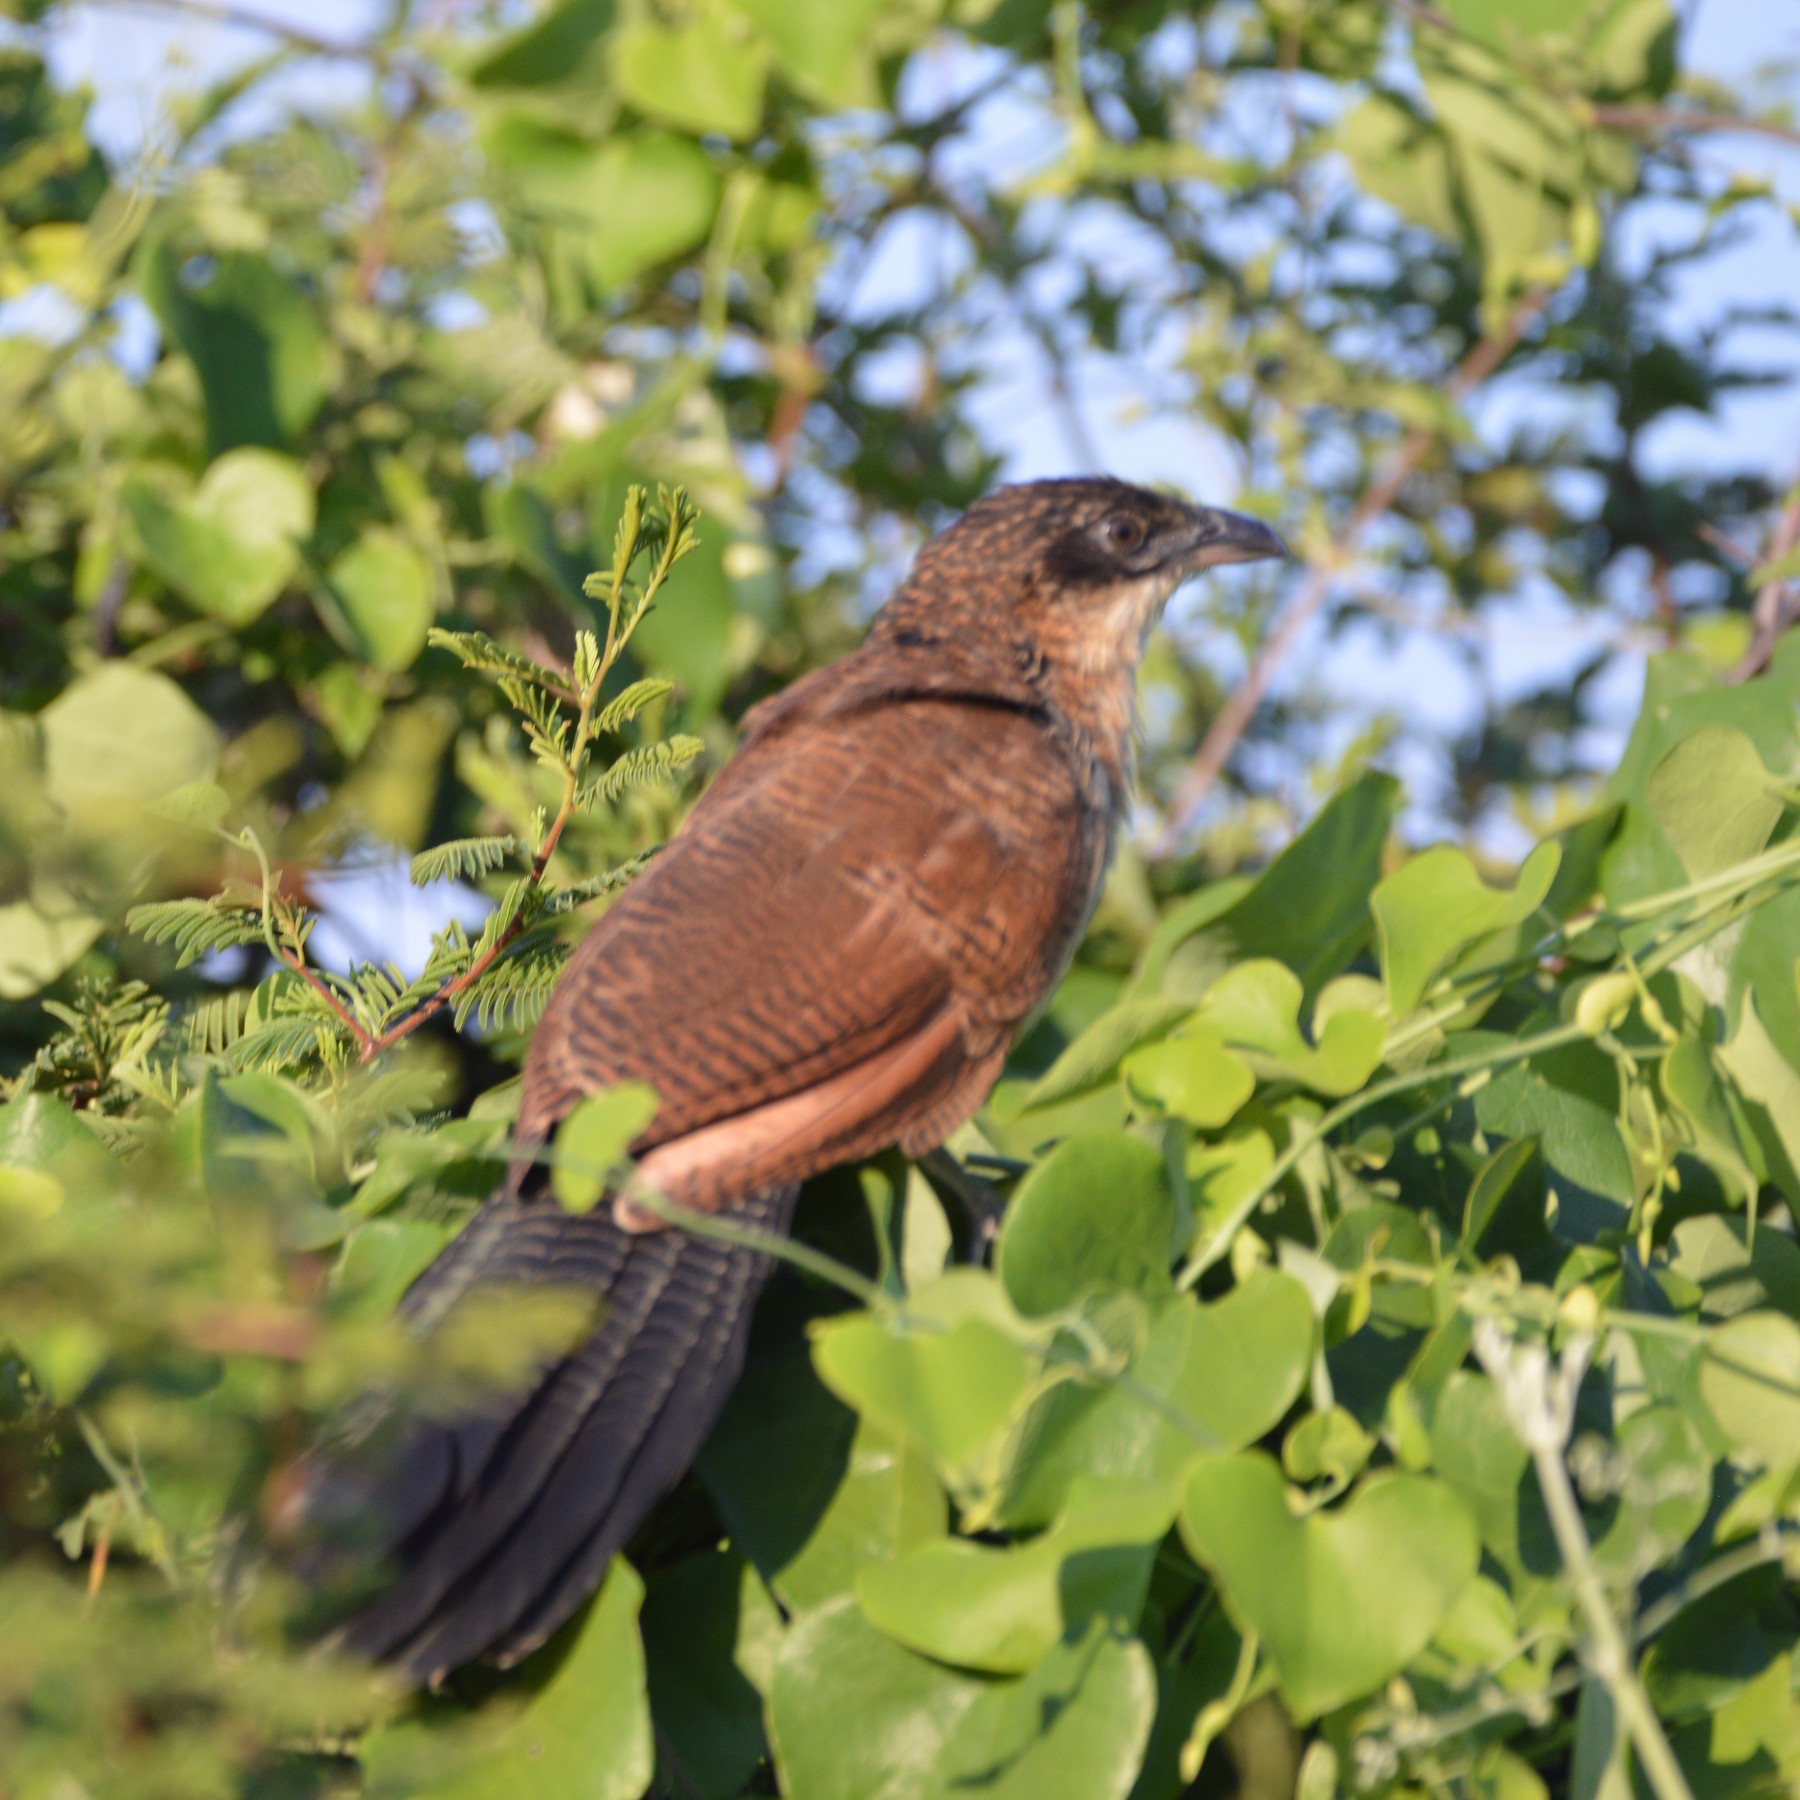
<point>1228,537</point>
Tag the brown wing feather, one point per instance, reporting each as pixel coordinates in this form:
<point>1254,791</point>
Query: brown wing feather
<point>839,943</point>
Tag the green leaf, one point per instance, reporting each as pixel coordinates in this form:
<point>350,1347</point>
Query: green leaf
<point>949,1385</point>
<point>592,1141</point>
<point>1404,160</point>
<point>1714,800</point>
<point>1255,1008</point>
<point>388,595</point>
<point>230,548</point>
<point>1435,905</point>
<point>1097,1051</point>
<point>1191,1076</point>
<point>905,1707</point>
<point>1096,1213</point>
<point>1075,1728</point>
<point>1002,1610</point>
<point>120,738</point>
<point>552,50</point>
<point>705,74</point>
<point>1344,1599</point>
<point>1735,1273</point>
<point>631,202</point>
<point>583,1731</point>
<point>826,48</point>
<point>1750,1380</point>
<point>1308,909</point>
<point>1662,1474</point>
<point>709,1630</point>
<point>461,859</point>
<point>263,359</point>
<point>1568,1100</point>
<point>1178,1409</point>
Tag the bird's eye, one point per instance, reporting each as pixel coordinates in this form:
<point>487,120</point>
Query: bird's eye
<point>1123,532</point>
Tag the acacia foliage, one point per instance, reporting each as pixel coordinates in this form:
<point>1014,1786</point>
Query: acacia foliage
<point>1388,1374</point>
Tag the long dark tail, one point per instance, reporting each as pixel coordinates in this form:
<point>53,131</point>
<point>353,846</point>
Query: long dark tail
<point>501,1522</point>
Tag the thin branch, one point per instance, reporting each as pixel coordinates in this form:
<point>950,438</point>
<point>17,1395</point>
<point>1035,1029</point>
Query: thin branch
<point>1681,118</point>
<point>1769,616</point>
<point>1378,498</point>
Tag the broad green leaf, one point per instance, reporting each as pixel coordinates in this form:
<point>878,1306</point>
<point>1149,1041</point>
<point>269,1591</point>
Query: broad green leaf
<point>264,360</point>
<point>1342,1599</point>
<point>592,1141</point>
<point>1205,1378</point>
<point>1436,905</point>
<point>230,547</point>
<point>1475,1449</point>
<point>1714,799</point>
<point>948,1391</point>
<point>855,1716</point>
<point>631,202</point>
<point>1308,909</point>
<point>1191,1076</point>
<point>709,1630</point>
<point>1734,1272</point>
<point>1403,159</point>
<point>1074,1728</point>
<point>1568,1100</point>
<point>1096,1053</point>
<point>1750,1379</point>
<point>1222,1175</point>
<point>555,48</point>
<point>1662,1473</point>
<point>42,935</point>
<point>387,593</point>
<point>1772,1084</point>
<point>584,1732</point>
<point>120,738</point>
<point>703,74</point>
<point>1255,1008</point>
<point>1696,1096</point>
<point>825,48</point>
<point>1096,1213</point>
<point>1002,1610</point>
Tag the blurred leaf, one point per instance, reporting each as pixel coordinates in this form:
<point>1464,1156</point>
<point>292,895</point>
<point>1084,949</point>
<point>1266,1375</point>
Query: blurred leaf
<point>705,74</point>
<point>256,343</point>
<point>387,592</point>
<point>592,1141</point>
<point>230,548</point>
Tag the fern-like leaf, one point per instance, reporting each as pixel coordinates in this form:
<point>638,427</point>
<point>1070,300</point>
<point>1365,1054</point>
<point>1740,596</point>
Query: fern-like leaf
<point>639,766</point>
<point>626,705</point>
<point>462,859</point>
<point>577,893</point>
<point>476,650</point>
<point>195,927</point>
<point>512,993</point>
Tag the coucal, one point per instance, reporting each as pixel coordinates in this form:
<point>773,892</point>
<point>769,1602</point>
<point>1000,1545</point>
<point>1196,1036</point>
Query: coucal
<point>832,956</point>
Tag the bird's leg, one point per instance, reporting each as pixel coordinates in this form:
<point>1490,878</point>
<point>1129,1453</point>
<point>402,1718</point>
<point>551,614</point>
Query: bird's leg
<point>983,1204</point>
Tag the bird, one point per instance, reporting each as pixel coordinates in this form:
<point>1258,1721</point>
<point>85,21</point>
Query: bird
<point>832,957</point>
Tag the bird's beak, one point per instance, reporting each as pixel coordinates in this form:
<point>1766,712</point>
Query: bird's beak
<point>1227,537</point>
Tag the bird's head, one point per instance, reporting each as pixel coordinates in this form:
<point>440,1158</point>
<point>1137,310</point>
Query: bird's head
<point>1077,570</point>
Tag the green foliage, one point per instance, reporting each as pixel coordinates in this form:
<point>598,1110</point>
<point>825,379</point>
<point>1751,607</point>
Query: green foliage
<point>1388,1378</point>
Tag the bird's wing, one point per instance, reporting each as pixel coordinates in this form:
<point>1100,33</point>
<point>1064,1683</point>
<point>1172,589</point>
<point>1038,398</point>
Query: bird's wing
<point>834,949</point>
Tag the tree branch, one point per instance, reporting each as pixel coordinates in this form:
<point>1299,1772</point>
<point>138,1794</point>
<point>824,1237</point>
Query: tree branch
<point>1378,498</point>
<point>1769,617</point>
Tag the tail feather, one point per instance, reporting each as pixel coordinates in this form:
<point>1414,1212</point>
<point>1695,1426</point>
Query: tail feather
<point>500,1523</point>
